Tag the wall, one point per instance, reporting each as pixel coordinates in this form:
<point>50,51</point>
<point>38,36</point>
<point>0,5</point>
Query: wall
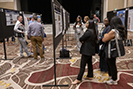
<point>8,5</point>
<point>112,4</point>
<point>129,3</point>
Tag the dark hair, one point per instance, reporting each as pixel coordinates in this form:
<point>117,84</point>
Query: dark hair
<point>35,17</point>
<point>92,26</point>
<point>107,19</point>
<point>116,23</point>
<point>79,21</point>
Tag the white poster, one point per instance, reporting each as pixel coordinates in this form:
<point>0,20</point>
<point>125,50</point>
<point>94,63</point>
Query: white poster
<point>64,17</point>
<point>58,20</point>
<point>11,17</point>
<point>130,20</point>
<point>68,20</point>
<point>26,21</point>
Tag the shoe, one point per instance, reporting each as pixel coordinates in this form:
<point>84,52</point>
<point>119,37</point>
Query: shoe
<point>21,56</point>
<point>43,58</point>
<point>88,78</point>
<point>30,56</point>
<point>31,53</point>
<point>111,82</point>
<point>34,59</point>
<point>76,82</point>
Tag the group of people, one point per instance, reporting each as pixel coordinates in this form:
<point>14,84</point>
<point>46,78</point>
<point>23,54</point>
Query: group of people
<point>87,40</point>
<point>35,33</point>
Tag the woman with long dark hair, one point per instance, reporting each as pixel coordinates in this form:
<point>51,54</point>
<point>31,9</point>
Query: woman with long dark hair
<point>117,28</point>
<point>78,27</point>
<point>87,50</point>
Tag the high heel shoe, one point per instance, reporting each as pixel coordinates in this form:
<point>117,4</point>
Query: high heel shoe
<point>76,82</point>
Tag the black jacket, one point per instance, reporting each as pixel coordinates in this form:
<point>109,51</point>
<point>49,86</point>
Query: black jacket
<point>89,39</point>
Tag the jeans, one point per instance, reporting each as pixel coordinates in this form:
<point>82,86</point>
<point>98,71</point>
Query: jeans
<point>23,45</point>
<point>97,29</point>
<point>13,39</point>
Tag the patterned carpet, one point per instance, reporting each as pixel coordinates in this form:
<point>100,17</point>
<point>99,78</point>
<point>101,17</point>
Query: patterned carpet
<point>27,73</point>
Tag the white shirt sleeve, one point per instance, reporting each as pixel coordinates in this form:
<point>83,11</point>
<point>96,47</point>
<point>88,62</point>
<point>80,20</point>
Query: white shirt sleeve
<point>16,27</point>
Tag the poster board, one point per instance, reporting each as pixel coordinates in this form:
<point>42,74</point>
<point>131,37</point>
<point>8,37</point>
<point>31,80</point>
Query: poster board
<point>130,20</point>
<point>68,19</point>
<point>26,16</point>
<point>64,19</point>
<point>58,19</point>
<point>11,17</point>
<point>8,18</point>
<point>121,14</point>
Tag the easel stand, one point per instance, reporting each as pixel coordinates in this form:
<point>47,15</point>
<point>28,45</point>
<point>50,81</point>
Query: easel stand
<point>54,47</point>
<point>5,51</point>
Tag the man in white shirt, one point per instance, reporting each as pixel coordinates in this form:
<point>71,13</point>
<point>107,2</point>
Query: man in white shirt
<point>19,30</point>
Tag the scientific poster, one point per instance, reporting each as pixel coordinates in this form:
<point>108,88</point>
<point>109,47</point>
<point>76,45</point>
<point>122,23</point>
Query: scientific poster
<point>58,20</point>
<point>11,17</point>
<point>68,20</point>
<point>26,21</point>
<point>130,20</point>
<point>121,14</point>
<point>64,17</point>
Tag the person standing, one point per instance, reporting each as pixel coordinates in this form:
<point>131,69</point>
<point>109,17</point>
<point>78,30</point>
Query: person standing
<point>86,18</point>
<point>36,34</point>
<point>106,29</point>
<point>12,40</point>
<point>96,21</point>
<point>117,31</point>
<point>87,50</point>
<point>19,32</point>
<point>31,19</point>
<point>78,27</point>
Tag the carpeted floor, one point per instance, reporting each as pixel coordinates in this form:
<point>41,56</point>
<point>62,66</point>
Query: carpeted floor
<point>27,73</point>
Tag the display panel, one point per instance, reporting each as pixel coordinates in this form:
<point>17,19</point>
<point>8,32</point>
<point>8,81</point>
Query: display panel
<point>121,14</point>
<point>130,20</point>
<point>58,19</point>
<point>11,17</point>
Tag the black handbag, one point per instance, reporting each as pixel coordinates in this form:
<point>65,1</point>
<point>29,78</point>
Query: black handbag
<point>128,42</point>
<point>114,48</point>
<point>64,53</point>
<point>21,28</point>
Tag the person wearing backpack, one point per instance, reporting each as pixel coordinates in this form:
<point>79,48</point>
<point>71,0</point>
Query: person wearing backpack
<point>19,33</point>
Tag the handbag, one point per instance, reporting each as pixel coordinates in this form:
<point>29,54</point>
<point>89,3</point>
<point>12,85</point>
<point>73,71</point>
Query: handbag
<point>128,42</point>
<point>114,48</point>
<point>64,53</point>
